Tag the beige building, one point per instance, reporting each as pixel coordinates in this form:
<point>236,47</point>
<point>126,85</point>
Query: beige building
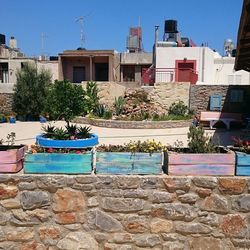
<point>89,65</point>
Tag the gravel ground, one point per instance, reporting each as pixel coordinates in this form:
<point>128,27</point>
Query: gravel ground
<point>27,131</point>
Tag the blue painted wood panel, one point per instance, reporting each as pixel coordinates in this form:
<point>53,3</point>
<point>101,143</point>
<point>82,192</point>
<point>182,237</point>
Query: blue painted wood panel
<point>215,102</point>
<point>58,163</point>
<point>242,163</point>
<point>125,163</point>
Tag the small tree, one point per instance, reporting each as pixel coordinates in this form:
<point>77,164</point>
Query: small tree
<point>91,97</point>
<point>30,91</point>
<point>64,100</point>
<point>199,142</point>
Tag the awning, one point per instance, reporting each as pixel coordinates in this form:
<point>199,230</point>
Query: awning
<point>242,60</point>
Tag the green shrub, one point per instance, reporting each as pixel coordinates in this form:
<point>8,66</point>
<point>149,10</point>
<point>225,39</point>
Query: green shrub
<point>199,142</point>
<point>30,91</point>
<point>107,114</point>
<point>64,101</point>
<point>178,109</point>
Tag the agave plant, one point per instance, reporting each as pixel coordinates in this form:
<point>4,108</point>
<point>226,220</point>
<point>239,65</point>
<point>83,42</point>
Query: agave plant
<point>84,132</point>
<point>49,130</point>
<point>119,105</point>
<point>61,134</point>
<point>71,129</point>
<point>100,110</point>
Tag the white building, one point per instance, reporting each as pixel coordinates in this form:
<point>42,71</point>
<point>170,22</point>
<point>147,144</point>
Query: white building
<point>199,65</point>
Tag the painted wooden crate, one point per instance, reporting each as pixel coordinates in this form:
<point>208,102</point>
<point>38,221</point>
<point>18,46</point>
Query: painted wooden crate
<point>58,163</point>
<point>11,158</point>
<point>125,163</point>
<point>215,164</point>
<point>242,163</point>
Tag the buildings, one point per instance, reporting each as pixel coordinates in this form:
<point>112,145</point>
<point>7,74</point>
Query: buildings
<point>175,59</point>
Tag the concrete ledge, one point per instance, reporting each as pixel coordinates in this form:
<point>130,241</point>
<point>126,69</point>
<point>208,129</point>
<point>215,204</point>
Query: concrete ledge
<point>6,88</point>
<point>133,124</point>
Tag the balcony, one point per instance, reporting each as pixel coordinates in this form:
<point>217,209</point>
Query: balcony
<point>153,75</point>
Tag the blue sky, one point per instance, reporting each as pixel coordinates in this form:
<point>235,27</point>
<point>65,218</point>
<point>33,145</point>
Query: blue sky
<point>107,22</point>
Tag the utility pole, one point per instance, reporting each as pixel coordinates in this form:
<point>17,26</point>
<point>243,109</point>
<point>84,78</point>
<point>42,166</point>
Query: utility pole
<point>43,37</point>
<point>80,20</point>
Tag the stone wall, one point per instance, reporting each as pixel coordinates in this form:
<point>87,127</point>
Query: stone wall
<point>6,100</point>
<point>164,94</point>
<point>133,124</point>
<point>123,212</point>
<point>200,94</point>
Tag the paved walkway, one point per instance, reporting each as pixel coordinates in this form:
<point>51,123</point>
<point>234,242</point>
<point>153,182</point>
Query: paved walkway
<point>27,131</point>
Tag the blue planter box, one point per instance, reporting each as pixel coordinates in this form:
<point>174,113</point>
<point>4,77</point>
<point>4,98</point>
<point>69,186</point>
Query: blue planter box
<point>58,163</point>
<point>80,143</point>
<point>12,120</point>
<point>125,163</point>
<point>242,163</point>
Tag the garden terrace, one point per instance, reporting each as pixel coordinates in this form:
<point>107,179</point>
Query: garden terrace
<point>133,124</point>
<point>114,212</point>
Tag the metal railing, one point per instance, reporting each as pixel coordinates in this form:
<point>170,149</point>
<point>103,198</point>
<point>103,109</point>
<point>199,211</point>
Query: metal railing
<point>153,75</point>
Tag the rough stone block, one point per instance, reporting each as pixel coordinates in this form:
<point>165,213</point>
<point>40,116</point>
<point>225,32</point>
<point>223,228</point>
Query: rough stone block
<point>34,199</point>
<point>231,185</point>
<point>68,200</point>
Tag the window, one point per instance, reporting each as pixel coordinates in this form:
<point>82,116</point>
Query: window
<point>78,74</point>
<point>236,95</point>
<point>4,72</point>
<point>128,73</point>
<point>234,79</point>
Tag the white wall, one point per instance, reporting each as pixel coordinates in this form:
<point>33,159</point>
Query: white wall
<point>225,73</point>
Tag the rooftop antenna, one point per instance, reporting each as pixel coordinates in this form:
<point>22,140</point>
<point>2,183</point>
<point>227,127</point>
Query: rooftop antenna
<point>80,20</point>
<point>43,37</point>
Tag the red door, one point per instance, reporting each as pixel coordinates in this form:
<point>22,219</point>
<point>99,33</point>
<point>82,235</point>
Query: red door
<point>186,71</point>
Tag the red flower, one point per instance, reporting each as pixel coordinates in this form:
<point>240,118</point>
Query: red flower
<point>78,152</point>
<point>50,150</point>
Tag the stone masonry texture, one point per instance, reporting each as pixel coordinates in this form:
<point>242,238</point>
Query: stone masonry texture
<point>200,96</point>
<point>41,212</point>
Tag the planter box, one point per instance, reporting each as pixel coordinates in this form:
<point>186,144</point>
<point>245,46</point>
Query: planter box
<point>11,158</point>
<point>215,164</point>
<point>80,143</point>
<point>58,163</point>
<point>125,163</point>
<point>242,163</point>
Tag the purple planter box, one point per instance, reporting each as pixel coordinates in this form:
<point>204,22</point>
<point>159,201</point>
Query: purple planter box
<point>214,164</point>
<point>11,158</point>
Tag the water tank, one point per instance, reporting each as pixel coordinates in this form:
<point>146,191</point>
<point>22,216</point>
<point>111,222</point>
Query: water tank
<point>2,39</point>
<point>171,26</point>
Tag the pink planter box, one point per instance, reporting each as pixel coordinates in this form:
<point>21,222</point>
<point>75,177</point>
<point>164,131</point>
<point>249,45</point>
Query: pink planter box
<point>215,164</point>
<point>11,158</point>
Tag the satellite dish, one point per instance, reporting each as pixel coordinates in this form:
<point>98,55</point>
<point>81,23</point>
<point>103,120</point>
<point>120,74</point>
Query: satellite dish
<point>228,47</point>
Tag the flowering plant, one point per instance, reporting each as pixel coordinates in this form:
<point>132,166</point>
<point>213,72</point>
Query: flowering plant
<point>148,146</point>
<point>37,149</point>
<point>242,145</point>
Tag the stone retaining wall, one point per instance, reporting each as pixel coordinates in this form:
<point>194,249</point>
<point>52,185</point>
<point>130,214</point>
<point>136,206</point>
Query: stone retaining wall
<point>200,96</point>
<point>133,124</point>
<point>6,100</point>
<point>124,212</point>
